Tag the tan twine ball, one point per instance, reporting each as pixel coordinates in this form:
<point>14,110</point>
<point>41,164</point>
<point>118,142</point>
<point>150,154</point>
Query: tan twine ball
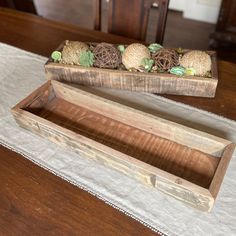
<point>198,60</point>
<point>106,56</point>
<point>134,54</point>
<point>165,59</point>
<point>72,50</point>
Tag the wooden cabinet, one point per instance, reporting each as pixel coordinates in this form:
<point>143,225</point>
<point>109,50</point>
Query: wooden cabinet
<point>20,5</point>
<point>226,25</point>
<point>224,37</point>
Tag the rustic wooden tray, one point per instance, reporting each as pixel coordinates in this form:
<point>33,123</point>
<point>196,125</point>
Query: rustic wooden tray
<point>182,162</point>
<point>162,83</point>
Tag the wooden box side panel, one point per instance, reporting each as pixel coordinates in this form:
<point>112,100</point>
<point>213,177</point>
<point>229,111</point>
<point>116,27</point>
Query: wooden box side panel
<point>178,188</point>
<point>214,69</point>
<point>178,133</point>
<point>142,82</point>
<point>38,98</point>
<point>221,169</point>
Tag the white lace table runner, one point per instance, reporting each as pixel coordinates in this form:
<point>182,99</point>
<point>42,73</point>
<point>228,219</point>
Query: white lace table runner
<point>22,72</point>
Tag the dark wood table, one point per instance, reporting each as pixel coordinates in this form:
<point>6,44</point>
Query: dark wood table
<point>32,200</point>
<point>36,202</point>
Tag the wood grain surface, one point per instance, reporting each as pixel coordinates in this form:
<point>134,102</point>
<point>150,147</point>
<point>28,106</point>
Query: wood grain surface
<point>40,36</point>
<point>174,158</point>
<point>224,102</point>
<point>161,83</point>
<point>112,134</point>
<point>36,202</point>
<point>32,200</point>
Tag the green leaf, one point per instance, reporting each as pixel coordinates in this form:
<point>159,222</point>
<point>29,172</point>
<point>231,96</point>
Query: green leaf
<point>190,71</point>
<point>86,58</point>
<point>154,47</point>
<point>147,64</point>
<point>179,50</point>
<point>177,70</point>
<point>121,48</point>
<point>56,56</point>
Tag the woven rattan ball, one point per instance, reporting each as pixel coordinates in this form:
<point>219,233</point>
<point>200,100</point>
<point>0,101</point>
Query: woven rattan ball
<point>72,50</point>
<point>134,54</point>
<point>165,59</point>
<point>106,56</point>
<point>198,60</point>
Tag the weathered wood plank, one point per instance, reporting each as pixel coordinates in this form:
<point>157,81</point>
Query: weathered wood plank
<point>192,165</point>
<point>141,82</point>
<point>178,133</point>
<point>221,170</point>
<point>179,188</point>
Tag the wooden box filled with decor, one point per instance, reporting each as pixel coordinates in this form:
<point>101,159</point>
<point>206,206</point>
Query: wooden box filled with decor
<point>187,164</point>
<point>135,67</point>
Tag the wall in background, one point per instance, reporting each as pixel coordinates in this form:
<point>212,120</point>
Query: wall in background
<point>202,10</point>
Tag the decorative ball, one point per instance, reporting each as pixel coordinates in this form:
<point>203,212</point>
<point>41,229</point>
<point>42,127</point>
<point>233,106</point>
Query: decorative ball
<point>106,56</point>
<point>165,59</point>
<point>134,54</point>
<point>198,60</point>
<point>72,50</point>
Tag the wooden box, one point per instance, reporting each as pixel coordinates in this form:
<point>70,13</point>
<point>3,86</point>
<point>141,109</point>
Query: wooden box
<point>162,83</point>
<point>182,162</point>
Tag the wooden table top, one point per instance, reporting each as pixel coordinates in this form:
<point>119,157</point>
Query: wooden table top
<point>34,201</point>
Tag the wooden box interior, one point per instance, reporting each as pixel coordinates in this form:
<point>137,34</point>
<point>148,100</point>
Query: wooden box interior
<point>184,153</point>
<point>187,163</point>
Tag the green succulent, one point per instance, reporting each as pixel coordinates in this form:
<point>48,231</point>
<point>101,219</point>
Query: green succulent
<point>147,64</point>
<point>121,48</point>
<point>56,56</point>
<point>180,50</point>
<point>86,58</point>
<point>177,70</point>
<point>154,47</point>
<point>190,71</point>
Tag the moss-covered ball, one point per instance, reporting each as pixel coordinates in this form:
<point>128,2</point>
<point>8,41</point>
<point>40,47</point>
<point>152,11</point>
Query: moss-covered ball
<point>134,55</point>
<point>71,52</point>
<point>198,60</point>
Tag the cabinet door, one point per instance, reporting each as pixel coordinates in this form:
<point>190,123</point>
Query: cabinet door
<point>227,16</point>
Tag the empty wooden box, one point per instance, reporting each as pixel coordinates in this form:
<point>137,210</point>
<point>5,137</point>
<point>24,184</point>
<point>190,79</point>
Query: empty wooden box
<point>182,162</point>
<point>162,83</point>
